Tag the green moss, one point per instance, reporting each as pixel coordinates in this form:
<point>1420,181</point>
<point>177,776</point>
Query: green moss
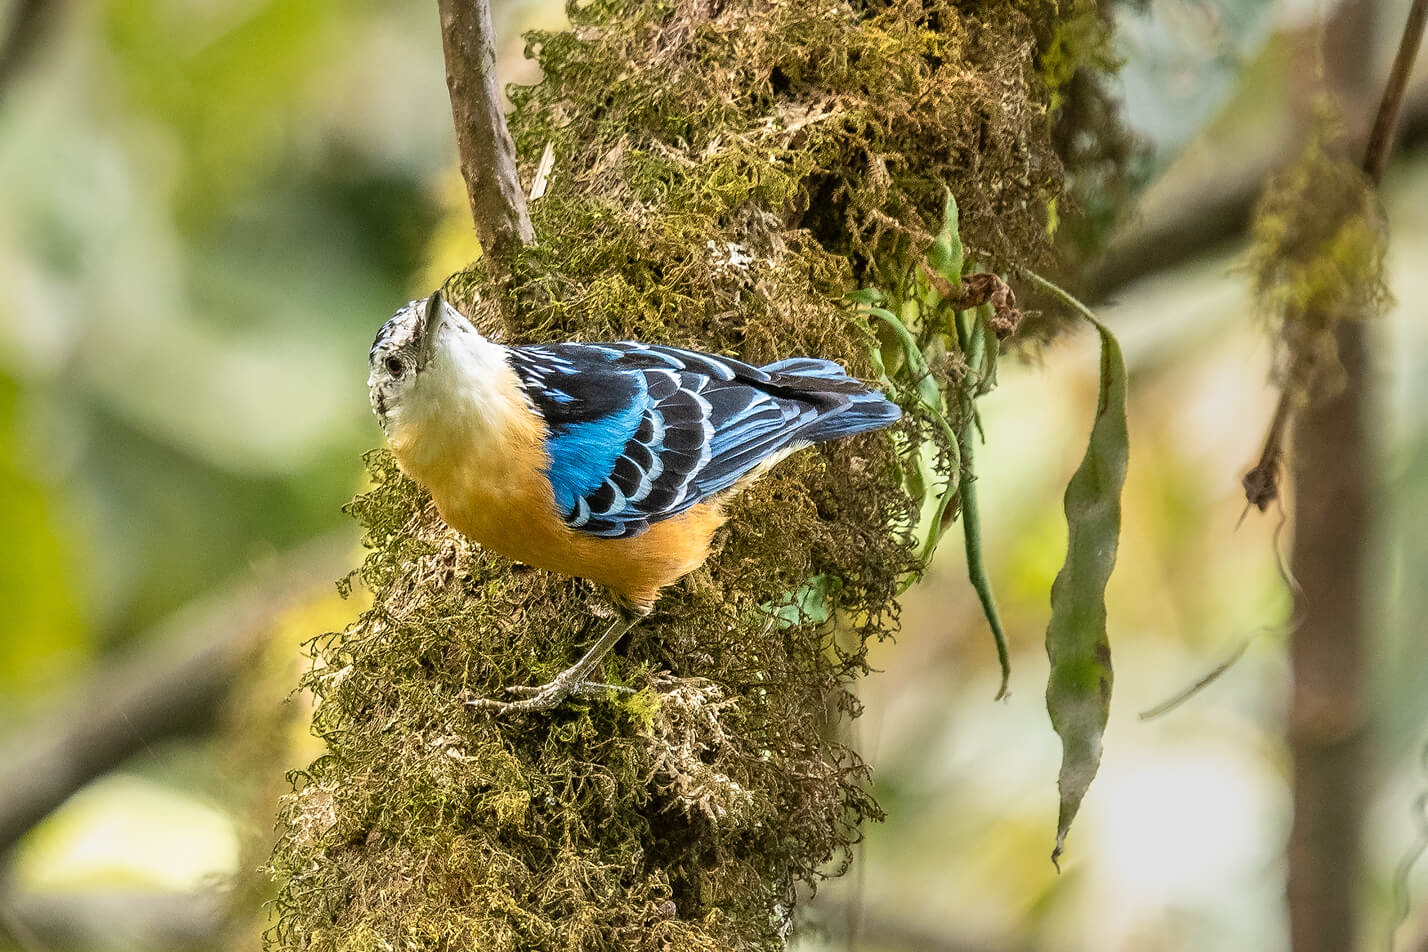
<point>1081,41</point>
<point>724,172</point>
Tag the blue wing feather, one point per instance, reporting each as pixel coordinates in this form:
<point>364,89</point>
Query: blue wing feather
<point>640,433</point>
<point>584,455</point>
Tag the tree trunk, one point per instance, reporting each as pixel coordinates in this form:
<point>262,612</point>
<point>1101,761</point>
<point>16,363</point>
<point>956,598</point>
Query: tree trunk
<point>1327,730</point>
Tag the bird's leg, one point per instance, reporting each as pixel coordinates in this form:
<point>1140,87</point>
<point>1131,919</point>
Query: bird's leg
<point>573,680</point>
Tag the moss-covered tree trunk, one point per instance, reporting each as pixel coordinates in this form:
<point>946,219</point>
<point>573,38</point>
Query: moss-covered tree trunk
<point>725,171</point>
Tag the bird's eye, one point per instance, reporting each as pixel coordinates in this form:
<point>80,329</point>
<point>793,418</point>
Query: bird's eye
<point>395,366</point>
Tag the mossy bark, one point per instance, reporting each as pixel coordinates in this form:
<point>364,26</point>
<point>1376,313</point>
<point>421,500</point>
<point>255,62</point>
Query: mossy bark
<point>725,170</point>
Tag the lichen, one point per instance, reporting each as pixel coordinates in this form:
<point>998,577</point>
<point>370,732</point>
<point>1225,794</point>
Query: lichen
<point>724,173</point>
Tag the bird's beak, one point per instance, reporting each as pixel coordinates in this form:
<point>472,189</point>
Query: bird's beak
<point>431,323</point>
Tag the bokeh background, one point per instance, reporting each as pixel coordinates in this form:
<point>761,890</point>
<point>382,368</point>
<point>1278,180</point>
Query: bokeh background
<point>207,208</point>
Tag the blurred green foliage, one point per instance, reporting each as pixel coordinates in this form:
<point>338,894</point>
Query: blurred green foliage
<point>44,623</point>
<point>227,82</point>
<point>205,223</point>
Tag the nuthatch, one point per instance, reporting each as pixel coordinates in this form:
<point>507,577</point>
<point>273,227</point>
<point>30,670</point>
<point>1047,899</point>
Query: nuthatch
<point>609,461</point>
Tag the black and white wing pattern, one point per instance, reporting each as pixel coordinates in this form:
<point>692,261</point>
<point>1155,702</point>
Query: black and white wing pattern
<point>639,433</point>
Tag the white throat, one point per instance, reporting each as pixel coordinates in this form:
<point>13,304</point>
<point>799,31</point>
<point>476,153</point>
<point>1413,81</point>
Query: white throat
<point>460,408</point>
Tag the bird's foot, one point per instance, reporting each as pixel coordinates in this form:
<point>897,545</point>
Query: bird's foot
<point>545,697</point>
<point>570,681</point>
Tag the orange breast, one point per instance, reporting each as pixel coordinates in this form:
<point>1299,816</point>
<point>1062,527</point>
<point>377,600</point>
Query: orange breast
<point>528,530</point>
<point>498,495</point>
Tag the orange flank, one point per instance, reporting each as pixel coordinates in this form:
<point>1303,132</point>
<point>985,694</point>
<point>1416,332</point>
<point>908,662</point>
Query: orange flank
<point>635,568</point>
<point>494,490</point>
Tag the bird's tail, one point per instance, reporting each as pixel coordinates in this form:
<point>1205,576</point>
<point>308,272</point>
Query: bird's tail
<point>867,411</point>
<point>807,367</point>
<point>856,408</point>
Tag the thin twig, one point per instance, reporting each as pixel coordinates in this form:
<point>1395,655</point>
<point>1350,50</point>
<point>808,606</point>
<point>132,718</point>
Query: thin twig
<point>1281,560</point>
<point>1380,143</point>
<point>1261,484</point>
<point>1286,575</point>
<point>1186,693</point>
<point>488,156</point>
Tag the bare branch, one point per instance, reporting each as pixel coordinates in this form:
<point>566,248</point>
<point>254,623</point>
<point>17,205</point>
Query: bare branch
<point>488,156</point>
<point>1334,501</point>
<point>1380,142</point>
<point>173,683</point>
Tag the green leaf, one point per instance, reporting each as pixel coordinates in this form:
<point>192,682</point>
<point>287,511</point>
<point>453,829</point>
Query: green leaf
<point>1078,691</point>
<point>973,335</point>
<point>945,254</point>
<point>866,296</point>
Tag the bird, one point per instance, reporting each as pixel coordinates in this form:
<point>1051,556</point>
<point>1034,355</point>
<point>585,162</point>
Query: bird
<point>607,461</point>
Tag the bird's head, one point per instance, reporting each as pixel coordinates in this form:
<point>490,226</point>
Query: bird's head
<point>404,356</point>
<point>433,378</point>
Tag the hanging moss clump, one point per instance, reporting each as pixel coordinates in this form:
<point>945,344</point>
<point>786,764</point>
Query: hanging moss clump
<point>1317,259</point>
<point>725,171</point>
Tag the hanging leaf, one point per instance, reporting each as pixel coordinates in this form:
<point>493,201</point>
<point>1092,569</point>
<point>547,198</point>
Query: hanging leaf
<point>973,337</point>
<point>1078,691</point>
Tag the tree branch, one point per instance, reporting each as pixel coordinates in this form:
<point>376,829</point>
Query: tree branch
<point>488,156</point>
<point>173,683</point>
<point>1333,521</point>
<point>1380,143</point>
<point>1262,482</point>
